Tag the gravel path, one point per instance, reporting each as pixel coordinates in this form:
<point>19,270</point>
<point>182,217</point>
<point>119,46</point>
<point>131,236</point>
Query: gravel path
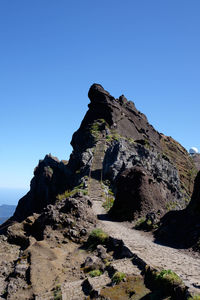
<point>153,254</point>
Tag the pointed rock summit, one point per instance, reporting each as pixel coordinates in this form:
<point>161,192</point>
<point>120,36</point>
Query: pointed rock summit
<point>129,142</point>
<point>119,162</point>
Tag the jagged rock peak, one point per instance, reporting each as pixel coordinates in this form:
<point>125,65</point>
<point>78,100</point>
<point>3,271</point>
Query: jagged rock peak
<point>98,94</point>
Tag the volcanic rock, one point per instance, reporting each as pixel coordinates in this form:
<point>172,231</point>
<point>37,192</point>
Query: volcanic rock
<point>146,171</point>
<point>182,228</point>
<point>51,177</point>
<point>196,159</point>
<point>138,193</point>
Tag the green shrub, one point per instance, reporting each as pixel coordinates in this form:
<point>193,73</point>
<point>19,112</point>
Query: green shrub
<point>168,277</point>
<point>145,224</point>
<point>96,127</point>
<point>108,203</point>
<point>70,193</point>
<point>195,297</point>
<point>95,273</point>
<point>130,140</point>
<point>57,293</point>
<point>140,223</point>
<point>109,138</point>
<point>118,277</point>
<point>96,237</point>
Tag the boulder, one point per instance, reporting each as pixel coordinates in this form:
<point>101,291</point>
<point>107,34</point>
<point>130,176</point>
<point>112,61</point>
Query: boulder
<point>182,228</point>
<point>137,194</point>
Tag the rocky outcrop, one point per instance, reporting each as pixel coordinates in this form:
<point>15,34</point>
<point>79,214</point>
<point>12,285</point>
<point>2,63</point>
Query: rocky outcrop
<point>129,141</point>
<point>196,160</point>
<point>51,177</point>
<point>179,157</point>
<point>194,204</point>
<point>182,228</point>
<point>147,171</point>
<point>120,160</point>
<point>138,193</point>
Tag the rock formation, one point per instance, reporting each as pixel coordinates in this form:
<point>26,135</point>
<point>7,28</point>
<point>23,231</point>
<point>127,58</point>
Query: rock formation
<point>130,142</point>
<point>146,171</point>
<point>196,159</point>
<point>182,228</point>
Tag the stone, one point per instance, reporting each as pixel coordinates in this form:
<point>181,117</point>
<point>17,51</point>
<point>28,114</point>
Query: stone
<point>101,250</point>
<point>93,263</point>
<point>138,193</point>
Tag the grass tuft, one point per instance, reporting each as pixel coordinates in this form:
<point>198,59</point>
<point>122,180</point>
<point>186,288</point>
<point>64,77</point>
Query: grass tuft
<point>118,277</point>
<point>96,237</point>
<point>95,273</point>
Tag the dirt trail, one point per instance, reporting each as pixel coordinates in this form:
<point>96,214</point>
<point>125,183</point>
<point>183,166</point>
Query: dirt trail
<point>155,255</point>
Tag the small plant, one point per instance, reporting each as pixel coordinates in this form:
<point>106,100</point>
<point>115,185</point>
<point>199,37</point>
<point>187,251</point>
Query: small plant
<point>145,224</point>
<point>108,203</point>
<point>96,127</point>
<point>57,293</point>
<point>96,237</point>
<point>171,205</point>
<point>109,138</point>
<point>118,277</point>
<point>195,297</point>
<point>113,136</point>
<point>141,222</point>
<point>68,193</point>
<point>164,156</point>
<point>95,273</point>
<point>168,277</point>
<point>147,144</point>
<point>116,137</point>
<point>108,195</point>
<point>130,140</point>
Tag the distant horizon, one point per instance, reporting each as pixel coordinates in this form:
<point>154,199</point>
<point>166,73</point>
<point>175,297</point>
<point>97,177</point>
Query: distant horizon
<point>11,196</point>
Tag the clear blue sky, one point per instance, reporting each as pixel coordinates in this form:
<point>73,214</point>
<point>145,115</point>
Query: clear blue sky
<point>51,51</point>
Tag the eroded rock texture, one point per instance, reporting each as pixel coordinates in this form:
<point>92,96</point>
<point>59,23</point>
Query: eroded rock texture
<point>147,171</point>
<point>182,228</point>
<point>129,141</point>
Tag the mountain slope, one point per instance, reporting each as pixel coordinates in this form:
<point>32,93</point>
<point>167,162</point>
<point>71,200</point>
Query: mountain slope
<point>116,154</point>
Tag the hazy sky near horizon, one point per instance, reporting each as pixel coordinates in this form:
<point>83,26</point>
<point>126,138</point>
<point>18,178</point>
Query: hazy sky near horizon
<point>52,51</point>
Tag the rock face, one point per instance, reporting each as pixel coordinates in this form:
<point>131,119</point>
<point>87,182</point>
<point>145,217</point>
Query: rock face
<point>139,193</point>
<point>120,160</point>
<point>129,141</point>
<point>182,228</point>
<point>182,160</point>
<point>145,170</point>
<point>120,115</point>
<point>51,177</point>
<point>194,204</point>
<point>196,159</point>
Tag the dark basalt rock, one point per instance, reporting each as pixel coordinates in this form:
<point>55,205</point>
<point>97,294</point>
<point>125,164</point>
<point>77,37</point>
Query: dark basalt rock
<point>120,114</point>
<point>194,204</point>
<point>134,142</point>
<point>51,177</point>
<point>138,193</point>
<point>148,170</point>
<point>182,228</point>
